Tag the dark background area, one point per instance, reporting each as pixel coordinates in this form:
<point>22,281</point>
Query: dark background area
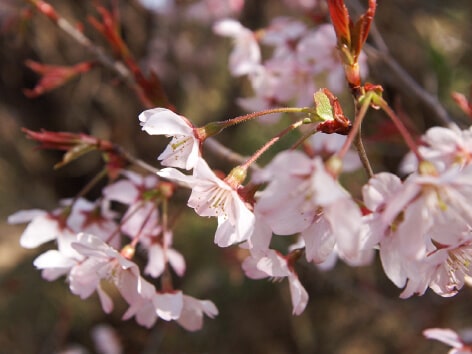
<point>351,310</point>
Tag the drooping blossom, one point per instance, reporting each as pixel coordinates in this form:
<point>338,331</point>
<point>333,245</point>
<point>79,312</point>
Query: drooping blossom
<point>246,55</point>
<point>106,339</point>
<point>422,226</point>
<point>303,197</point>
<point>191,317</point>
<point>214,197</point>
<point>140,193</point>
<point>461,343</point>
<point>443,147</point>
<point>102,262</point>
<point>184,148</point>
<point>149,308</point>
<point>61,226</point>
<point>141,220</point>
<point>160,253</point>
<point>270,263</point>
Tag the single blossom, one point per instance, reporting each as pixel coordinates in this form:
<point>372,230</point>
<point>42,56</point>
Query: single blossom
<point>141,195</point>
<point>184,148</point>
<point>443,147</point>
<point>246,55</point>
<point>106,339</point>
<point>149,308</point>
<point>102,262</point>
<point>191,317</point>
<point>160,253</point>
<point>270,263</point>
<point>460,343</point>
<point>214,197</point>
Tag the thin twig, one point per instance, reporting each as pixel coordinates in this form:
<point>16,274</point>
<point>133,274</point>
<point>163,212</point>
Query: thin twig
<point>405,81</point>
<point>363,154</point>
<point>127,76</point>
<point>227,154</point>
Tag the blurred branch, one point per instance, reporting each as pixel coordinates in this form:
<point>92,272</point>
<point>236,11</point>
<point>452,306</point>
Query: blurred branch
<point>403,78</point>
<point>63,24</point>
<point>123,72</point>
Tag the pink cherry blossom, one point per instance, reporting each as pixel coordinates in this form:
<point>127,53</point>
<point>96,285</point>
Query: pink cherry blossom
<point>160,253</point>
<point>191,317</point>
<point>43,226</point>
<point>326,145</point>
<point>460,343</point>
<point>106,339</point>
<point>270,263</point>
<point>303,197</point>
<point>149,308</point>
<point>140,194</point>
<point>423,229</point>
<point>213,197</point>
<point>103,262</point>
<point>210,10</point>
<point>184,148</point>
<point>443,147</point>
<point>246,55</point>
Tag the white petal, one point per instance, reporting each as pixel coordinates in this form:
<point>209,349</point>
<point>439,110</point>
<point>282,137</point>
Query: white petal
<point>168,305</point>
<point>298,294</point>
<point>161,121</point>
<point>41,230</point>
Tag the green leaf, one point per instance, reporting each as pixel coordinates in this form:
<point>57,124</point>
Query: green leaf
<point>323,106</point>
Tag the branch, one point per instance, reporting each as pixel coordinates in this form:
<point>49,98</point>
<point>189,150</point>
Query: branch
<point>405,80</point>
<point>126,75</point>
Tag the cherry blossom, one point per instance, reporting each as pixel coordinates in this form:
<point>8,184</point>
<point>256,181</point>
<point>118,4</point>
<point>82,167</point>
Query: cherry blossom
<point>149,308</point>
<point>184,148</point>
<point>160,253</point>
<point>103,262</point>
<point>140,194</point>
<point>270,263</point>
<point>423,229</point>
<point>214,197</point>
<point>326,145</point>
<point>106,339</point>
<point>191,317</point>
<point>43,226</point>
<point>443,147</point>
<point>303,197</point>
<point>209,10</point>
<point>246,55</point>
<point>460,343</point>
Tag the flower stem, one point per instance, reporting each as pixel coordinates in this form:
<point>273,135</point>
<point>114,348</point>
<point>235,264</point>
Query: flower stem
<point>90,185</point>
<point>362,153</point>
<point>401,127</point>
<point>356,127</point>
<point>271,142</point>
<point>246,117</point>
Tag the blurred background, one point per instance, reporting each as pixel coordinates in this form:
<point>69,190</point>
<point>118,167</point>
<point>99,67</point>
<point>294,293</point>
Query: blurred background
<point>351,310</point>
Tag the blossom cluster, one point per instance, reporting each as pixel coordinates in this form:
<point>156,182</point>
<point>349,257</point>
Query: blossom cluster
<point>302,57</point>
<point>90,251</point>
<point>419,224</point>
